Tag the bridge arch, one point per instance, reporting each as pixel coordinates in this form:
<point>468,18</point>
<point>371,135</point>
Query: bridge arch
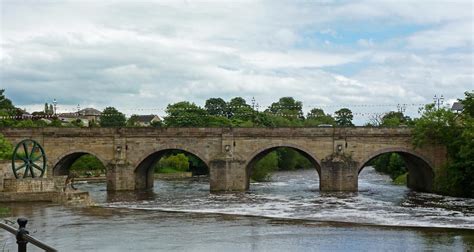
<point>261,152</point>
<point>144,173</point>
<point>420,169</point>
<point>63,163</point>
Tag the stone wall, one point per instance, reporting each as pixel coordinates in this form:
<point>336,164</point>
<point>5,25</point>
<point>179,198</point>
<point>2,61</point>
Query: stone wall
<point>228,152</point>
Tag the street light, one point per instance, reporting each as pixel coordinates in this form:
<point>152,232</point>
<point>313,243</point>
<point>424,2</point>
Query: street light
<point>54,103</point>
<point>438,101</point>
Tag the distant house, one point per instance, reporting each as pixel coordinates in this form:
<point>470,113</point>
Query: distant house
<point>90,114</point>
<point>147,120</point>
<point>457,107</point>
<point>85,115</point>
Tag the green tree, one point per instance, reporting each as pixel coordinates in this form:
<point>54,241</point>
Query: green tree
<point>87,163</point>
<point>456,132</point>
<point>6,149</point>
<point>185,114</point>
<point>216,107</point>
<point>178,162</point>
<point>240,110</point>
<point>111,117</point>
<point>393,119</point>
<point>288,108</point>
<point>132,121</point>
<point>263,167</point>
<point>344,117</point>
<point>317,117</point>
<point>6,104</point>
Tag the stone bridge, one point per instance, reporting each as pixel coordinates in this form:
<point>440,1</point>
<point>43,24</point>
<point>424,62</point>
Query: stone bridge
<point>338,154</point>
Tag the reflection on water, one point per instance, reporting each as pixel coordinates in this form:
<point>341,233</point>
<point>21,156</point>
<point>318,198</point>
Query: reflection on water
<point>184,216</point>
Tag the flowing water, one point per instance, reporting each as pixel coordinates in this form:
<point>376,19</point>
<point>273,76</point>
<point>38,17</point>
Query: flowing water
<point>288,213</point>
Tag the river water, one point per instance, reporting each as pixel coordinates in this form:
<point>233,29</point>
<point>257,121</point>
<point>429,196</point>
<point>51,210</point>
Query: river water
<point>287,214</point>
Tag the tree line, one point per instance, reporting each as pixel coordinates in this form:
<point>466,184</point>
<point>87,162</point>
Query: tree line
<point>441,126</point>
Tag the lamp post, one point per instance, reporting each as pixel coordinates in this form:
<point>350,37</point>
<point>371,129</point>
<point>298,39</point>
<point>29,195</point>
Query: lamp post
<point>54,104</point>
<point>438,100</point>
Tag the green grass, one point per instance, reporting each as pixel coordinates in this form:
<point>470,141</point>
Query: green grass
<point>401,180</point>
<point>168,170</point>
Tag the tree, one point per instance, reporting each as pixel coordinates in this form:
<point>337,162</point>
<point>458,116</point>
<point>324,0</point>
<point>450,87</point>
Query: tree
<point>455,132</point>
<point>48,109</point>
<point>6,149</point>
<point>317,117</point>
<point>6,105</point>
<point>185,114</point>
<point>239,109</point>
<point>132,121</point>
<point>178,162</point>
<point>263,167</point>
<point>216,107</point>
<point>287,107</point>
<point>111,117</point>
<point>344,117</point>
<point>392,119</point>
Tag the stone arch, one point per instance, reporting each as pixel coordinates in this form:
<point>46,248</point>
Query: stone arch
<point>261,152</point>
<point>143,172</point>
<point>420,169</point>
<point>62,164</point>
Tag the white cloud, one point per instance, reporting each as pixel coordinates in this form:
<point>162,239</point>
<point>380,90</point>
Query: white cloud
<point>141,55</point>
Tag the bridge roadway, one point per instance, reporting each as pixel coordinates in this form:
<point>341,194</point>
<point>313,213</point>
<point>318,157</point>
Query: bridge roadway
<point>338,154</point>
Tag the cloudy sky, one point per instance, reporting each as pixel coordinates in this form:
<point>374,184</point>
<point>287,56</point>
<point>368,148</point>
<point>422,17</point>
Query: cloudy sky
<point>140,56</point>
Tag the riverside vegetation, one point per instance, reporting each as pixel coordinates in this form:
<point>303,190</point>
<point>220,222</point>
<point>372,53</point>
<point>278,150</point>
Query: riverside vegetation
<point>442,126</point>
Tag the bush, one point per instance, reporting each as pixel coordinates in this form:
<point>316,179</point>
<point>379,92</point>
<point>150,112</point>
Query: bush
<point>87,163</point>
<point>391,164</point>
<point>6,149</point>
<point>178,162</point>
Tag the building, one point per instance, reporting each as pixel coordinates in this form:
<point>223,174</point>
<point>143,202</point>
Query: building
<point>147,120</point>
<point>457,107</point>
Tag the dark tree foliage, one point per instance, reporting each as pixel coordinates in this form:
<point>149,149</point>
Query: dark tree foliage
<point>344,117</point>
<point>288,108</point>
<point>185,114</point>
<point>317,117</point>
<point>111,117</point>
<point>391,164</point>
<point>456,132</point>
<point>216,107</point>
<point>238,109</point>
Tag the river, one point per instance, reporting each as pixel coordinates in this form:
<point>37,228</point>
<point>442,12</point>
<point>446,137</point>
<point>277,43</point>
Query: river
<point>287,214</point>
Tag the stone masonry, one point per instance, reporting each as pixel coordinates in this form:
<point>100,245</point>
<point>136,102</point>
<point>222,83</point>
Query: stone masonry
<point>128,153</point>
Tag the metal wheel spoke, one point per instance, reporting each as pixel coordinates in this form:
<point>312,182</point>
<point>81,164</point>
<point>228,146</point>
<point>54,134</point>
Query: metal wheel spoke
<point>33,149</point>
<point>20,167</point>
<point>36,158</point>
<point>26,150</point>
<point>32,172</point>
<point>37,167</point>
<point>24,159</point>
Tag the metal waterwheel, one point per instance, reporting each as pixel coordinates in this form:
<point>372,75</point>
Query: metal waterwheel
<point>29,159</point>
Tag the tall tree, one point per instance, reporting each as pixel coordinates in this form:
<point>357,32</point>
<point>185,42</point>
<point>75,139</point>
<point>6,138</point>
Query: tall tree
<point>287,107</point>
<point>344,117</point>
<point>317,117</point>
<point>111,117</point>
<point>216,107</point>
<point>393,118</point>
<point>185,114</point>
<point>240,110</point>
<point>6,105</point>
